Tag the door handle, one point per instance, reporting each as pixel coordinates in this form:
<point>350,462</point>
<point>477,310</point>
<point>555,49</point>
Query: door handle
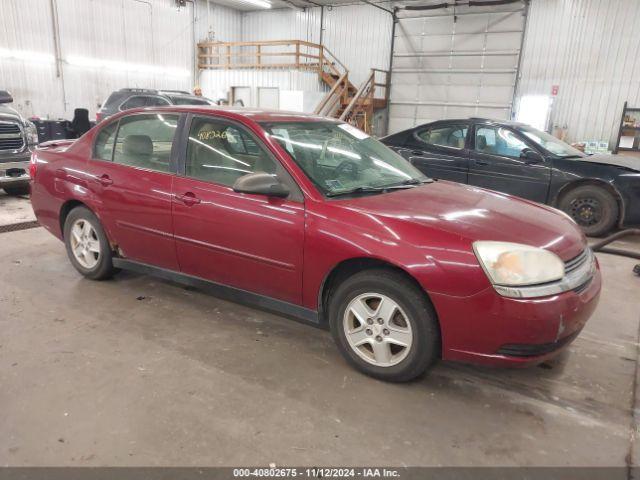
<point>481,163</point>
<point>189,199</point>
<point>417,152</point>
<point>104,180</point>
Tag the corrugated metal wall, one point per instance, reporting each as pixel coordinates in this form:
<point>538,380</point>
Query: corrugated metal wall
<point>344,27</point>
<point>154,33</point>
<point>218,83</point>
<point>147,33</point>
<point>33,82</point>
<point>218,22</point>
<point>589,48</point>
<point>360,36</point>
<point>283,24</point>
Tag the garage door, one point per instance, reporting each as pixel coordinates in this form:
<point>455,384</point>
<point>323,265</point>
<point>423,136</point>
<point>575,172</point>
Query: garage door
<point>455,67</point>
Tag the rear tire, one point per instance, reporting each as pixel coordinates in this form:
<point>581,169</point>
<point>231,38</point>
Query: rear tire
<point>87,245</point>
<point>593,208</point>
<point>17,191</point>
<point>384,325</point>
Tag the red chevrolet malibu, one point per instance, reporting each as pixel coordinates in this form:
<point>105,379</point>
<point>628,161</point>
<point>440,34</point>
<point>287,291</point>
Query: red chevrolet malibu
<point>314,219</point>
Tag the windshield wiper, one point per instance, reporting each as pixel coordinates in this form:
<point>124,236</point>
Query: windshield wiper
<point>417,181</point>
<point>365,189</point>
<point>369,189</point>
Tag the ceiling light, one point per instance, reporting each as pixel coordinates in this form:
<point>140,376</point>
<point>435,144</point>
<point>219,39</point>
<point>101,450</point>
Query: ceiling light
<point>257,3</point>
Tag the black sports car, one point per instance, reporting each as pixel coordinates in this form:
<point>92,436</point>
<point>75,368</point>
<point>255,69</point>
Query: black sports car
<point>599,192</point>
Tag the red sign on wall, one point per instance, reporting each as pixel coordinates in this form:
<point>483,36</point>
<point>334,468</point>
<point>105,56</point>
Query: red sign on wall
<point>554,89</point>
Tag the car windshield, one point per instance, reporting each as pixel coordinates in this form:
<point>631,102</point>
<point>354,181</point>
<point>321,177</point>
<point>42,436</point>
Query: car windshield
<point>340,159</point>
<point>550,143</point>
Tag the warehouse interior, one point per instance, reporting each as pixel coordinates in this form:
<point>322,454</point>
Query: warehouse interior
<point>148,371</point>
<point>577,56</point>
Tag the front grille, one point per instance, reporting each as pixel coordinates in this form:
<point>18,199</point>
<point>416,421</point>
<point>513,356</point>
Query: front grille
<point>9,128</point>
<point>10,136</point>
<point>576,262</point>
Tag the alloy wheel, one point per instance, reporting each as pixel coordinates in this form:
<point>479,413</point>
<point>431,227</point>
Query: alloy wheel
<point>377,329</point>
<point>85,244</point>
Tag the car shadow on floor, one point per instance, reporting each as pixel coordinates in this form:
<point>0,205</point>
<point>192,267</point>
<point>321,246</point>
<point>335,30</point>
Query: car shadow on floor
<point>273,340</point>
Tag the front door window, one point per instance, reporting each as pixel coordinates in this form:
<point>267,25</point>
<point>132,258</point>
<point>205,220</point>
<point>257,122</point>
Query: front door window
<point>499,141</point>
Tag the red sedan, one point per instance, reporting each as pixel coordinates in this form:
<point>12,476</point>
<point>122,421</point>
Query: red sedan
<point>314,219</point>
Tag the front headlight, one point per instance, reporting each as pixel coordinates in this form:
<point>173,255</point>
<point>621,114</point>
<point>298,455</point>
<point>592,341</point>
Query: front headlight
<point>31,133</point>
<point>516,265</point>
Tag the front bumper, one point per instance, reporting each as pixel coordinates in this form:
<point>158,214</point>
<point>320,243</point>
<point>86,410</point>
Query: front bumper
<point>15,169</point>
<point>490,329</point>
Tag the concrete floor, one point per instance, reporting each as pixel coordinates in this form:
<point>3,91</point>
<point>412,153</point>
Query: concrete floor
<point>14,209</point>
<point>137,371</point>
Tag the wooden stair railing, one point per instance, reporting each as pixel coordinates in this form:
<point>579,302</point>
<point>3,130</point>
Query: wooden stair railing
<point>343,100</point>
<point>333,99</point>
<point>296,54</point>
<point>359,111</point>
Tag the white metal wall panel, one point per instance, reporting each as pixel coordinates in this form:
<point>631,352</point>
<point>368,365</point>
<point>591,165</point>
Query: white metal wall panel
<point>218,83</point>
<point>137,32</point>
<point>358,35</point>
<point>218,22</point>
<point>344,27</point>
<point>31,82</point>
<point>452,68</point>
<point>589,48</point>
<point>283,24</point>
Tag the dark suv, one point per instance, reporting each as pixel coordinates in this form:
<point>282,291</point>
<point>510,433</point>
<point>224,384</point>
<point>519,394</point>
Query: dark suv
<point>127,98</point>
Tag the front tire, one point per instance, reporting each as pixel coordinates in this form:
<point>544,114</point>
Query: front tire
<point>593,208</point>
<point>384,325</point>
<point>87,245</point>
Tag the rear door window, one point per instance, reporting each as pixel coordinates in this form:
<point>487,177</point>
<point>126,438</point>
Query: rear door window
<point>103,147</point>
<point>145,141</point>
<point>451,136</point>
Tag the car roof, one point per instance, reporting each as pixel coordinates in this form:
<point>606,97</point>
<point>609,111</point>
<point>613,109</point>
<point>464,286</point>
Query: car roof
<point>257,115</point>
<point>138,90</point>
<point>175,92</point>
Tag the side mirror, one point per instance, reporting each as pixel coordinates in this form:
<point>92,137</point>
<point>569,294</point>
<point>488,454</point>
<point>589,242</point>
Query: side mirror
<point>531,156</point>
<point>261,183</point>
<point>5,97</point>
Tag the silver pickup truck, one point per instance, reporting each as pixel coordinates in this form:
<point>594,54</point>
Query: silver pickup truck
<point>18,137</point>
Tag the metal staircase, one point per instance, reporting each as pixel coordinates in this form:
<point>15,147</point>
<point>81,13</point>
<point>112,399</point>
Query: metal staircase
<point>355,105</point>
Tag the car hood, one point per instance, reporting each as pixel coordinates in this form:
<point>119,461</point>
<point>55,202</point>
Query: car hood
<point>476,214</point>
<point>617,160</point>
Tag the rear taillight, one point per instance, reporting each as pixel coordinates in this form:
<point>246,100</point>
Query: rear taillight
<point>33,165</point>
